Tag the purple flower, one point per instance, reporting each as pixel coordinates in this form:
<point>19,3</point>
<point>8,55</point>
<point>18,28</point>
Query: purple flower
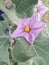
<point>29,28</point>
<point>41,8</point>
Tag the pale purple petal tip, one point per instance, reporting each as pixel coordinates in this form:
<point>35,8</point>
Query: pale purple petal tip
<point>17,32</point>
<point>29,37</point>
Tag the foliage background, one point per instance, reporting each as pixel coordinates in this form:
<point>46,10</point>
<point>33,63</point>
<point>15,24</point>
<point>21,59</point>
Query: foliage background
<point>18,51</point>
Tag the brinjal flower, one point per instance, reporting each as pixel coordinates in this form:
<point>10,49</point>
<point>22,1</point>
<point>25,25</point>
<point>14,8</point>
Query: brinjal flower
<point>29,28</point>
<point>41,8</point>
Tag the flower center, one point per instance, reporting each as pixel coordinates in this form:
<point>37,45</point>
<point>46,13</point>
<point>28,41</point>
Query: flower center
<point>27,29</point>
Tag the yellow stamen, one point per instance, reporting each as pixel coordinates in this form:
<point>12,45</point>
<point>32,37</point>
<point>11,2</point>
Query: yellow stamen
<point>27,29</point>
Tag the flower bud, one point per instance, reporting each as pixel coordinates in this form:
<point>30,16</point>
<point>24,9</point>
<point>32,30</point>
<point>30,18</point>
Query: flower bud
<point>8,4</point>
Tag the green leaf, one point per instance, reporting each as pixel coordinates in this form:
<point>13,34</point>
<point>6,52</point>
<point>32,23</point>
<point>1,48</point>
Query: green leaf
<point>2,41</point>
<point>25,6</point>
<point>41,47</point>
<point>47,27</point>
<point>22,51</point>
<point>27,13</point>
<point>2,63</point>
<point>3,27</point>
<point>33,61</point>
<point>4,55</point>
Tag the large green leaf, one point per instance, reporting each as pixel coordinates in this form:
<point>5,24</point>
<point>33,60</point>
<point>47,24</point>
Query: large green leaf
<point>33,61</point>
<point>4,55</point>
<point>4,42</point>
<point>42,48</point>
<point>22,51</point>
<point>25,7</point>
<point>3,27</point>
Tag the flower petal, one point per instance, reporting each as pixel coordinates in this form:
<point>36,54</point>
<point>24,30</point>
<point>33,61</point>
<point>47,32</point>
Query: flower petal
<point>37,28</point>
<point>38,24</point>
<point>36,32</point>
<point>42,8</point>
<point>21,23</point>
<point>25,22</point>
<point>39,2</point>
<point>29,21</point>
<point>29,37</point>
<point>33,20</point>
<point>18,32</point>
<point>20,29</point>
